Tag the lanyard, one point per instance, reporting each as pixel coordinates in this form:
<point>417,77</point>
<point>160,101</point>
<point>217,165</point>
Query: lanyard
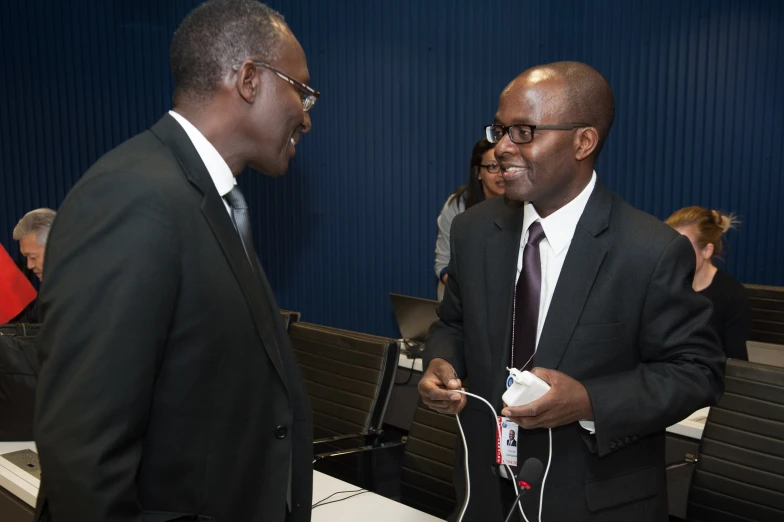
<point>514,318</point>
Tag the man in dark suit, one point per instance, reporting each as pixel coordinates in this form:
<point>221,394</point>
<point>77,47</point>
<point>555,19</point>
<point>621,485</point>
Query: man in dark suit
<point>511,440</point>
<point>594,293</point>
<point>168,389</point>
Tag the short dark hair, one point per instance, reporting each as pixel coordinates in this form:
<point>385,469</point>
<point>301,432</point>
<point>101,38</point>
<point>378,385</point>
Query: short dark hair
<point>589,97</point>
<point>216,35</point>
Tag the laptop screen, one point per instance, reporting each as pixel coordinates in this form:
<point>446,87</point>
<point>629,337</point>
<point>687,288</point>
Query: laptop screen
<point>414,315</point>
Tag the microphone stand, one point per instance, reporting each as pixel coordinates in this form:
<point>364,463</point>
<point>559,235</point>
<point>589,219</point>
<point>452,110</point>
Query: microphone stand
<point>523,491</point>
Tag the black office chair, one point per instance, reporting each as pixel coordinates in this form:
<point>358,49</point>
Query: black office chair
<point>739,475</point>
<point>18,377</point>
<point>428,463</point>
<point>767,313</point>
<point>289,317</point>
<point>20,329</point>
<point>7,329</point>
<point>349,377</point>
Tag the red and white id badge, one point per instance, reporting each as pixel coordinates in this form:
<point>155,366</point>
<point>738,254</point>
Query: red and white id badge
<point>506,446</point>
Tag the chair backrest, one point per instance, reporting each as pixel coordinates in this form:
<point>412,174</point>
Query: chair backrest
<point>767,313</point>
<point>20,329</point>
<point>428,463</point>
<point>348,375</point>
<point>7,329</point>
<point>739,476</point>
<point>289,317</point>
<point>18,377</point>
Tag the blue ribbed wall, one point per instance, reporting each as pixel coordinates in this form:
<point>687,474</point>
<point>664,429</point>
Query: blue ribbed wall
<point>406,87</point>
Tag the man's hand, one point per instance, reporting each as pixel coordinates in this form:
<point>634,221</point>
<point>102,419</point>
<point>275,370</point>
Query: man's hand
<point>435,387</point>
<point>565,403</point>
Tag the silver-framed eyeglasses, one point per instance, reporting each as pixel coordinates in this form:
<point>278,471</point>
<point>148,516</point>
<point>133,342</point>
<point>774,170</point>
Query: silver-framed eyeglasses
<point>308,94</point>
<point>523,133</point>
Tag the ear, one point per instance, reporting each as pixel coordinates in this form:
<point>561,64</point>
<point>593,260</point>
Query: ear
<point>585,142</point>
<point>707,252</point>
<point>248,81</point>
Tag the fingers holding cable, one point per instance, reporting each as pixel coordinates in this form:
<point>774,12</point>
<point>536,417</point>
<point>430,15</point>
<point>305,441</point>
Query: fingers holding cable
<point>438,387</point>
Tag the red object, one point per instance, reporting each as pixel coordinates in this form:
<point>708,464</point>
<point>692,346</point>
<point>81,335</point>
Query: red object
<point>16,292</point>
<point>525,485</point>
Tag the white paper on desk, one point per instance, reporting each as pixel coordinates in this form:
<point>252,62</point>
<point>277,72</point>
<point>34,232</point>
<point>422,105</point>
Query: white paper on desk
<point>700,415</point>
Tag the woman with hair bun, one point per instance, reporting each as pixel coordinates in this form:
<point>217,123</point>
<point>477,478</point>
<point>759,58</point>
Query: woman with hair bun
<point>731,310</point>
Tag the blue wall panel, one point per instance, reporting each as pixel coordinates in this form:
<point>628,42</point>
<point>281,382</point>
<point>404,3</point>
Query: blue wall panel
<point>406,88</point>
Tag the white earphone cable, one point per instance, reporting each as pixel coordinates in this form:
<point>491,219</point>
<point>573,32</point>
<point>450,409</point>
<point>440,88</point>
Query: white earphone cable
<point>465,448</point>
<point>508,469</point>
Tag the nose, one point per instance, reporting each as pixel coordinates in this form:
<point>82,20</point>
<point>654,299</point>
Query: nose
<point>30,264</point>
<point>505,146</point>
<point>306,124</point>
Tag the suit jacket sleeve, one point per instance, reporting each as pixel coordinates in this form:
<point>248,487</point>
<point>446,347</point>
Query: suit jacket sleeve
<point>108,299</point>
<point>445,338</point>
<point>682,364</point>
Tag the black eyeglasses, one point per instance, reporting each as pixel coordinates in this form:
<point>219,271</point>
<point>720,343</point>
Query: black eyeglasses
<point>308,94</point>
<point>521,134</point>
<point>492,168</point>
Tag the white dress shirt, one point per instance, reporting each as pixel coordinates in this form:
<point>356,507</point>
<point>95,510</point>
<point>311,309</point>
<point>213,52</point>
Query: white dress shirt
<point>559,230</point>
<point>219,170</point>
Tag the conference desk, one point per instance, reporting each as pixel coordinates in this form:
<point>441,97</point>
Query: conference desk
<point>363,507</point>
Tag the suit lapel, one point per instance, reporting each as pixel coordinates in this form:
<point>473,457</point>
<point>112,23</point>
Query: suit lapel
<point>173,135</point>
<point>581,265</point>
<point>501,251</point>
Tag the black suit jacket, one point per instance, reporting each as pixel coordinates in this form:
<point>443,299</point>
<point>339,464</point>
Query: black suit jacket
<point>168,388</point>
<point>623,320</point>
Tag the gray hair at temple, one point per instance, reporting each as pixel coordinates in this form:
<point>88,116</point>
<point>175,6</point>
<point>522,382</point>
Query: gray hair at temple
<point>38,222</point>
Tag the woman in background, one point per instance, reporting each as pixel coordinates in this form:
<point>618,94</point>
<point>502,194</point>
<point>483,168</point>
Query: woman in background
<point>484,182</point>
<point>731,310</point>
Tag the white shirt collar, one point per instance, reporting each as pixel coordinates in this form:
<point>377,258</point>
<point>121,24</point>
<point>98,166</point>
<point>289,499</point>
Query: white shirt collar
<point>219,170</point>
<point>559,226</point>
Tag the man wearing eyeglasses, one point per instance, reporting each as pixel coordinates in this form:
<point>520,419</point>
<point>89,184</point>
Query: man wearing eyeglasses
<point>565,279</point>
<point>169,389</point>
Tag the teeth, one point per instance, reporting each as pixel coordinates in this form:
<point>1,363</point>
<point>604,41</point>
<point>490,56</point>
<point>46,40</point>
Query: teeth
<point>292,141</point>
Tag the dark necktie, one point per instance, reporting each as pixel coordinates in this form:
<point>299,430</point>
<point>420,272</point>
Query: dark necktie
<point>240,216</point>
<point>526,303</point>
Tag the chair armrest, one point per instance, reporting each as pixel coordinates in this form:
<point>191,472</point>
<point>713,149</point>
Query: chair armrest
<point>340,437</point>
<point>688,460</point>
<point>360,449</point>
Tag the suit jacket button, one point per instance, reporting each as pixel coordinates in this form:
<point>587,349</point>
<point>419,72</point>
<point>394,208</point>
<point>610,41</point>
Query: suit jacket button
<point>280,432</point>
<point>634,438</point>
<point>620,442</point>
<point>612,445</point>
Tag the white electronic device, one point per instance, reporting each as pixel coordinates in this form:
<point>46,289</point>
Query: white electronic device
<point>526,388</point>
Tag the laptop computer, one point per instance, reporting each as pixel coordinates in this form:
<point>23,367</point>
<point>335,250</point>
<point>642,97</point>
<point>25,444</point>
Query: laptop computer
<point>414,315</point>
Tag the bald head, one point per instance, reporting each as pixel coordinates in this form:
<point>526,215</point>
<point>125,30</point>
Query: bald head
<point>586,96</point>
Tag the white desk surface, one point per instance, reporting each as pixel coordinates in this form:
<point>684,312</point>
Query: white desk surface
<point>692,426</point>
<point>404,363</point>
<point>361,508</point>
<point>364,507</point>
<point>18,482</point>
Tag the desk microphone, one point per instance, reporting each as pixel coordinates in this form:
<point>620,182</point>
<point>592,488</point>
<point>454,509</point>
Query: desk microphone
<point>528,478</point>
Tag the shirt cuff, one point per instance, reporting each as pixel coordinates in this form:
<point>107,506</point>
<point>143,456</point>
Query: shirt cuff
<point>589,425</point>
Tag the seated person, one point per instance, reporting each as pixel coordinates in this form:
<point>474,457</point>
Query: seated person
<point>32,232</point>
<point>731,309</point>
<point>484,182</point>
